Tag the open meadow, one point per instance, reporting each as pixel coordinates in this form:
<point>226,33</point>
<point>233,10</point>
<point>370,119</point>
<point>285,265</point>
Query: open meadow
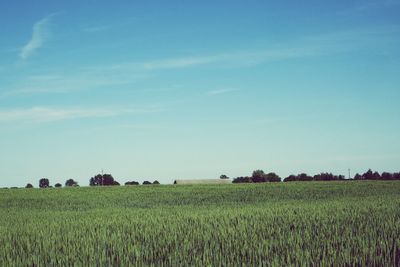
<point>273,224</point>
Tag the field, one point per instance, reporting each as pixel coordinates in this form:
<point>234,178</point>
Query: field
<point>276,224</point>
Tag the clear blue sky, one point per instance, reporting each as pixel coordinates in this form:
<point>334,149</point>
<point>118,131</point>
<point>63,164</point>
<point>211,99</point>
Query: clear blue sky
<point>195,89</point>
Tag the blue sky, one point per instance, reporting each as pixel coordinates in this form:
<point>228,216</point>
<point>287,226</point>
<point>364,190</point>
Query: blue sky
<point>195,89</point>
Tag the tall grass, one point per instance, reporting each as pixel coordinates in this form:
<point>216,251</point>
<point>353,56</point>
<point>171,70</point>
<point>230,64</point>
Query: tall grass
<point>296,224</point>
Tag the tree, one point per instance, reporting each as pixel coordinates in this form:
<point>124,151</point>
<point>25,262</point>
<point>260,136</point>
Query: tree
<point>376,176</point>
<point>304,177</point>
<point>223,176</point>
<point>368,175</point>
<point>44,183</point>
<point>241,179</point>
<point>71,182</point>
<point>156,182</point>
<point>299,177</point>
<point>57,185</point>
<point>387,176</point>
<point>272,177</point>
<point>132,183</point>
<point>290,178</point>
<point>102,180</point>
<point>258,176</point>
<point>29,186</point>
<point>146,183</point>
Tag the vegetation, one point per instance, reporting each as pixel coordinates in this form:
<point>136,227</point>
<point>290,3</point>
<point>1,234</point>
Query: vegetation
<point>71,182</point>
<point>370,175</point>
<point>132,183</point>
<point>258,176</point>
<point>274,224</point>
<point>102,180</point>
<point>319,177</point>
<point>44,183</point>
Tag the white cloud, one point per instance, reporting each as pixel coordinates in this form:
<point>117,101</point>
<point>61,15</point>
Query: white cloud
<point>46,114</point>
<point>114,24</point>
<point>232,58</point>
<point>40,34</point>
<point>183,62</point>
<point>128,73</point>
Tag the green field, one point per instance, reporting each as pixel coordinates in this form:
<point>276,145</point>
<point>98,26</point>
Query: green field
<point>275,224</point>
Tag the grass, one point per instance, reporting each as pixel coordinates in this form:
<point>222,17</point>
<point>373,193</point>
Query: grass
<point>280,224</point>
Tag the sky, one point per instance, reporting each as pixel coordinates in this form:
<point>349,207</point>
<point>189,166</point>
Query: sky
<point>165,90</point>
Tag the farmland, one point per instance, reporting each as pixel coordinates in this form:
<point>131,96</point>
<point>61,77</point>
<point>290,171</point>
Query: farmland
<point>277,224</point>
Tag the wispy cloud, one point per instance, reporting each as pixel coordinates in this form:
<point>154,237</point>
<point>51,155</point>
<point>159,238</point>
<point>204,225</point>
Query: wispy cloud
<point>99,28</point>
<point>109,26</point>
<point>232,58</point>
<point>221,91</point>
<point>40,34</point>
<point>72,82</point>
<point>123,74</point>
<point>49,114</point>
<point>183,62</point>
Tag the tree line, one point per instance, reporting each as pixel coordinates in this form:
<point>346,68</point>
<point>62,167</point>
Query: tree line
<point>258,176</point>
<point>97,180</point>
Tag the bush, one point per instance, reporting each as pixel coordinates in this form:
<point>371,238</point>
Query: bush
<point>71,182</point>
<point>44,183</point>
<point>132,183</point>
<point>242,179</point>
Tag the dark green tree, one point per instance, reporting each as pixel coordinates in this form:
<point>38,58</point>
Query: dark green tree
<point>71,182</point>
<point>239,180</point>
<point>369,175</point>
<point>132,183</point>
<point>258,176</point>
<point>387,176</point>
<point>102,180</point>
<point>272,177</point>
<point>44,183</point>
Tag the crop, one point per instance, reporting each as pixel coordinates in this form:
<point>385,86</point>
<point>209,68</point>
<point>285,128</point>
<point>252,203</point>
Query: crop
<point>297,224</point>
